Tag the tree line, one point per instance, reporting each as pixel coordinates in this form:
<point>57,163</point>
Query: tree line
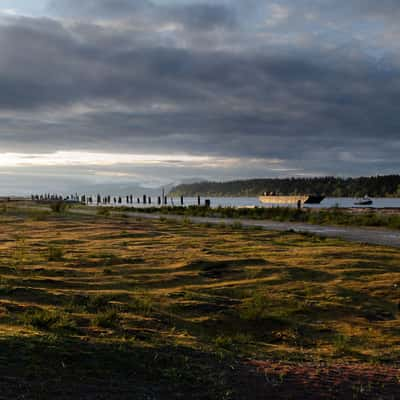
<point>374,186</point>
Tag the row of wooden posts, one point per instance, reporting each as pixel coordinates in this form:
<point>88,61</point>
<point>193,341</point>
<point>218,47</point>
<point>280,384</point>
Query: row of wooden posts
<point>104,200</point>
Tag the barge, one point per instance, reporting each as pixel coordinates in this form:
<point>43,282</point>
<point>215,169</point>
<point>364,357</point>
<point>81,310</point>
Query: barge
<point>295,199</point>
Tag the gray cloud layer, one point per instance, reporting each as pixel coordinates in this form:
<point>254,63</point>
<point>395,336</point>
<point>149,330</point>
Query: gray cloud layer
<point>208,78</point>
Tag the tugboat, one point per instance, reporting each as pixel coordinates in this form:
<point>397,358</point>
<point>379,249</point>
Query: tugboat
<point>365,201</point>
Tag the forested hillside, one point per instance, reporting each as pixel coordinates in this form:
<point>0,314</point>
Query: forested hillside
<point>376,186</point>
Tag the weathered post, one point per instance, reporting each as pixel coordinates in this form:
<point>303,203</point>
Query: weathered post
<point>149,200</point>
<point>198,201</point>
<point>299,204</point>
<point>159,200</point>
<point>144,199</point>
<point>207,203</point>
<point>181,200</point>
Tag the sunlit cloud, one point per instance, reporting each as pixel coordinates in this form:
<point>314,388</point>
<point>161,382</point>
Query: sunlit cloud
<point>81,158</point>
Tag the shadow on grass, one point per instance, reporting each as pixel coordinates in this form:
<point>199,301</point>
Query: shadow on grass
<point>53,368</point>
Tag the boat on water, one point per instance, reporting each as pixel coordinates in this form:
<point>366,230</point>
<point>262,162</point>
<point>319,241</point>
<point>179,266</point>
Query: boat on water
<point>294,199</point>
<point>365,201</point>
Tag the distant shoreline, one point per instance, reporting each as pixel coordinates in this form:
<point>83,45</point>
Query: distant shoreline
<point>374,186</point>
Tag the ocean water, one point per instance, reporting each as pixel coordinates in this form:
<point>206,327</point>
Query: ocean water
<point>342,202</point>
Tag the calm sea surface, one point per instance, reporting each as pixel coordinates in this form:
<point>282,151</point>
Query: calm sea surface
<point>342,202</point>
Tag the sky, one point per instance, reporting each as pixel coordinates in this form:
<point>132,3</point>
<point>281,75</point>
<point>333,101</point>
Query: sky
<point>145,92</point>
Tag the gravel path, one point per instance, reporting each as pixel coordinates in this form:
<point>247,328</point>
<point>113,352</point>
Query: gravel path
<point>377,236</point>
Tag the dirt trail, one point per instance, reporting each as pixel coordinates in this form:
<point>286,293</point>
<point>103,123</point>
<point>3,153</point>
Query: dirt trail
<point>280,381</point>
<point>375,236</point>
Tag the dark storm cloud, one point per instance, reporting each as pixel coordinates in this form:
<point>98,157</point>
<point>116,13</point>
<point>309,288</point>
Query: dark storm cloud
<point>97,8</point>
<point>194,16</point>
<point>202,16</point>
<point>209,85</point>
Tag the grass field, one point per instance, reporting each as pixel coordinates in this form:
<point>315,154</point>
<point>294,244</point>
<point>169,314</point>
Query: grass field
<point>119,308</point>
